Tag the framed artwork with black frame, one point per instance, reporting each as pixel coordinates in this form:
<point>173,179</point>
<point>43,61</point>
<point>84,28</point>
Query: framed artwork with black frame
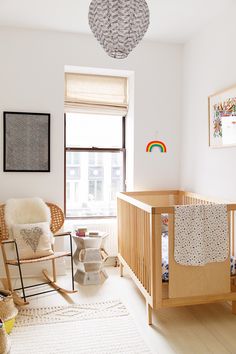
<point>26,142</point>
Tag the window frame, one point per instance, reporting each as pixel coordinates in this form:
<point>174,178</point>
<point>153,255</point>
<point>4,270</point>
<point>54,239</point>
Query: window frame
<point>95,149</point>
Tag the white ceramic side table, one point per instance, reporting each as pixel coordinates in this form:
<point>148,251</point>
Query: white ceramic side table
<point>89,258</point>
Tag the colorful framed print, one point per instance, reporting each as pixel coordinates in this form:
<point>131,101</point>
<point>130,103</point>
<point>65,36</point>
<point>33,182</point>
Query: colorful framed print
<point>26,142</point>
<point>222,118</point>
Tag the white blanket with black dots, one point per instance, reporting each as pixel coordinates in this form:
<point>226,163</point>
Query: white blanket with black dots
<point>201,234</point>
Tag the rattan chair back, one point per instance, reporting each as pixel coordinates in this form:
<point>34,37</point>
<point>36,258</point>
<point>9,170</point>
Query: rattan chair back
<point>57,220</point>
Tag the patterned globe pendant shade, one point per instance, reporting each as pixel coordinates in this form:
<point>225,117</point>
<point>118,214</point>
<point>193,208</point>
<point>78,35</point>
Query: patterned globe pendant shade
<point>118,25</point>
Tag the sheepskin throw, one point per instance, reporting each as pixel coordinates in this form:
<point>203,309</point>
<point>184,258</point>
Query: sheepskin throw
<point>26,211</point>
<point>118,25</point>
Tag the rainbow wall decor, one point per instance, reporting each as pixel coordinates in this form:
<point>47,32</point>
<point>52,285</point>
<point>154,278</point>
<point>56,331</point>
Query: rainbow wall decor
<point>156,143</point>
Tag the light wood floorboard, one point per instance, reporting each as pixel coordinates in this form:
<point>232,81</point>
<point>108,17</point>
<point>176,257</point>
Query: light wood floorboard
<point>202,329</point>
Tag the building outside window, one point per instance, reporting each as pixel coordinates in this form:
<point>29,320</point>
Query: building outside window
<point>95,158</point>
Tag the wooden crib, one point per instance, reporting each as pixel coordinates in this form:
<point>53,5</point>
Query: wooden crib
<point>140,250</point>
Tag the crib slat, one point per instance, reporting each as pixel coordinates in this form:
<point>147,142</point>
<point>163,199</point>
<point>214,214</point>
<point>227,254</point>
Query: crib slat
<point>170,243</point>
<point>232,233</point>
<point>141,245</point>
<point>156,260</point>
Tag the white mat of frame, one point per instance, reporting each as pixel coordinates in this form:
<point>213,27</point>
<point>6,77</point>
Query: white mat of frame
<point>103,328</point>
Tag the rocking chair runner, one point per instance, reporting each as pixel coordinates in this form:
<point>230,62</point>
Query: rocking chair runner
<point>57,221</point>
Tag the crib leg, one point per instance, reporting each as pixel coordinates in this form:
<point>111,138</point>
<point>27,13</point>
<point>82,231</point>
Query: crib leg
<point>121,270</point>
<point>234,307</point>
<point>149,313</point>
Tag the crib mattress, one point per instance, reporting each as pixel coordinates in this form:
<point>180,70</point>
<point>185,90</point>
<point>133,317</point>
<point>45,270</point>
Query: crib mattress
<point>165,265</point>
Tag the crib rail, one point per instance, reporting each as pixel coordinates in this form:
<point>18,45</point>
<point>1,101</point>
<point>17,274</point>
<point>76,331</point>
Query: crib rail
<point>134,241</point>
<point>139,239</point>
<point>192,198</point>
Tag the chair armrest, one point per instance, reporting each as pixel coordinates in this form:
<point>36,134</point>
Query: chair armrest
<point>63,234</point>
<point>7,241</point>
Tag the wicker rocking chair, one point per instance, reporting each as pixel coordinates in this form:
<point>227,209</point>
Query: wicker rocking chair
<point>57,221</point>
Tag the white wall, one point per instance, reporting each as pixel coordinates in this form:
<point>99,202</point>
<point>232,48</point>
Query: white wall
<point>209,66</point>
<point>32,79</point>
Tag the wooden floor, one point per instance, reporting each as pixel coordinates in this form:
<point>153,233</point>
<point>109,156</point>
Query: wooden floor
<point>190,330</point>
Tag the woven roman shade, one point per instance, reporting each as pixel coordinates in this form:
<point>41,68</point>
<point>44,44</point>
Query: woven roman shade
<point>96,93</point>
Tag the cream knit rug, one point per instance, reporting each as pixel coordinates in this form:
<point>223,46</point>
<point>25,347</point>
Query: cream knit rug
<point>104,328</point>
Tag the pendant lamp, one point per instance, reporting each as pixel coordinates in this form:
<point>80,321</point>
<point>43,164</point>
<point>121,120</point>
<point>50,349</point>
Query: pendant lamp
<point>118,25</point>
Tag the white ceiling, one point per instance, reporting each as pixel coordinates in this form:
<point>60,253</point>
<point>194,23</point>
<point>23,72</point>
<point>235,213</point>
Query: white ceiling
<point>171,20</point>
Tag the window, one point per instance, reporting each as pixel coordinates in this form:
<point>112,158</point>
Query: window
<point>95,163</point>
